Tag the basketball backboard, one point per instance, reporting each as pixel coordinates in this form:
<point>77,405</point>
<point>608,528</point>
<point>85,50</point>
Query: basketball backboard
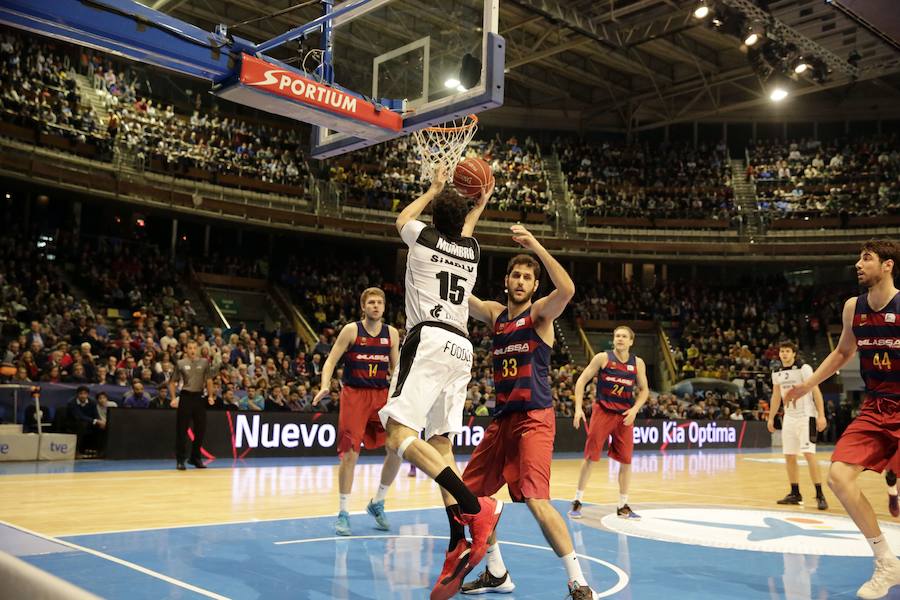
<point>413,50</point>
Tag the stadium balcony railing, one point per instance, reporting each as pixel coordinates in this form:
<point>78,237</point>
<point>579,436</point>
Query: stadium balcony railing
<point>67,171</point>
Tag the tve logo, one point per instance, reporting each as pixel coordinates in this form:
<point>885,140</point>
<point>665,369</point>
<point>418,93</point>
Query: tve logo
<point>61,448</point>
<point>251,434</point>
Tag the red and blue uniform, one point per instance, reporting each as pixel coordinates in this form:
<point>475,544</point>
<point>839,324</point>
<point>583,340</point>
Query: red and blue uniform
<point>615,395</point>
<point>367,360</point>
<point>872,439</point>
<point>521,361</point>
<point>365,390</point>
<point>517,447</point>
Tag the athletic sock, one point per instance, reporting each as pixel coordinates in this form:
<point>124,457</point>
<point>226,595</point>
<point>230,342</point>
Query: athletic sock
<point>880,547</point>
<point>457,531</point>
<point>345,502</point>
<point>819,493</point>
<point>795,489</point>
<point>382,492</point>
<point>495,564</point>
<point>623,500</point>
<point>451,482</point>
<point>579,494</point>
<point>893,490</point>
<point>573,569</point>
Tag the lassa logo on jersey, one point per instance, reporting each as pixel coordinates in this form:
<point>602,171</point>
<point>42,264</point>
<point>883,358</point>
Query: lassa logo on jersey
<point>878,343</point>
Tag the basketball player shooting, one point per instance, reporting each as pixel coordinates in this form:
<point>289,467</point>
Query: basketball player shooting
<point>428,390</point>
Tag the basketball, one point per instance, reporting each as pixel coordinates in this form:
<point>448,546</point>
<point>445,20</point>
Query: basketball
<point>472,175</point>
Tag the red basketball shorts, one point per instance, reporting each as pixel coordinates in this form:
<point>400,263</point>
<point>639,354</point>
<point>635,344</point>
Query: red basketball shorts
<point>605,423</point>
<point>871,440</point>
<point>358,421</point>
<point>516,450</point>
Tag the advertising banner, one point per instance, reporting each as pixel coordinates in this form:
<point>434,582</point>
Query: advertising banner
<point>145,434</point>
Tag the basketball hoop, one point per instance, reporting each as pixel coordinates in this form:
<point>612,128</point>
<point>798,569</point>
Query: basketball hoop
<point>444,145</point>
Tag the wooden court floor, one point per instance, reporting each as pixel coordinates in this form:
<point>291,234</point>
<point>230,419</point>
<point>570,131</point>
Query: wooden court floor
<point>126,496</point>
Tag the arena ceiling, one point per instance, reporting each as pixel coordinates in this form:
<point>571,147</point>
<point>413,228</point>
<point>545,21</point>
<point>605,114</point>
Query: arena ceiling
<point>640,64</point>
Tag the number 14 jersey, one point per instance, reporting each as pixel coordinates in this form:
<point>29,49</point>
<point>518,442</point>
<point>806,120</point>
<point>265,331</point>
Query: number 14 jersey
<point>440,275</point>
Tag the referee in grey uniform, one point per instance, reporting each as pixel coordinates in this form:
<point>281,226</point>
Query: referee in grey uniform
<point>194,372</point>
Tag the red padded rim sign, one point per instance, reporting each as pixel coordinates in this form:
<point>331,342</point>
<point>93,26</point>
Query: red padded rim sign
<point>288,84</point>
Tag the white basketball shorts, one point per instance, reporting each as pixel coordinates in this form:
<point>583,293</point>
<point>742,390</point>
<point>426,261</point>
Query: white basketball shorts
<point>795,435</point>
<point>428,388</point>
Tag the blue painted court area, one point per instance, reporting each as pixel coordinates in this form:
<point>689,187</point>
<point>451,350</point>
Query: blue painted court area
<point>301,558</point>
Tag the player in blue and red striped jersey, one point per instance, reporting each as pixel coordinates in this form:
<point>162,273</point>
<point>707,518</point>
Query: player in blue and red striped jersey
<point>615,409</point>
<point>517,447</point>
<point>370,349</point>
<point>872,441</point>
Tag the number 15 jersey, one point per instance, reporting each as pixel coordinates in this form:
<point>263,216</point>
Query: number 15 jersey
<point>440,275</point>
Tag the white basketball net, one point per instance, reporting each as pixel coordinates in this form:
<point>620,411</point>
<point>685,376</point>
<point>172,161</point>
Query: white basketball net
<point>444,145</point>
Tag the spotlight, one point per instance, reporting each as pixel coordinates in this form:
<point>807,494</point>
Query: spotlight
<point>701,11</point>
<point>451,83</point>
<point>800,66</point>
<point>778,88</point>
<point>754,34</point>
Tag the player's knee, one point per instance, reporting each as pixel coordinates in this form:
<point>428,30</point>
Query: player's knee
<point>441,443</point>
<point>538,506</point>
<point>840,477</point>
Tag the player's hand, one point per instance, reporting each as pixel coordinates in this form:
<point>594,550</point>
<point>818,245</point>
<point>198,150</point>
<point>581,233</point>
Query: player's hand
<point>523,237</point>
<point>212,401</point>
<point>486,194</point>
<point>821,423</point>
<point>320,395</point>
<point>439,180</point>
<point>578,418</point>
<point>795,393</point>
<point>630,415</point>
<point>770,425</point>
<point>101,424</point>
<point>174,403</point>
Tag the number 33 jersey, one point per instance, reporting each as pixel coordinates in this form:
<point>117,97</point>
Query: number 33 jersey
<point>440,275</point>
<point>878,341</point>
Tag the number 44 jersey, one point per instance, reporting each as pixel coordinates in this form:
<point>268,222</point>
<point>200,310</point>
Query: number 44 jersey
<point>878,341</point>
<point>440,275</point>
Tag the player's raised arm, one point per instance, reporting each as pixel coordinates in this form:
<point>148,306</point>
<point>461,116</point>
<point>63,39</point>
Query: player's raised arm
<point>415,208</point>
<point>343,341</point>
<point>475,214</point>
<point>598,362</point>
<point>554,303</point>
<point>843,352</point>
<point>485,311</point>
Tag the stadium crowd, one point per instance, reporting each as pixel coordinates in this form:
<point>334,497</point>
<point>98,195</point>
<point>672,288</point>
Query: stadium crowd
<point>671,181</point>
<point>840,178</point>
<point>387,176</point>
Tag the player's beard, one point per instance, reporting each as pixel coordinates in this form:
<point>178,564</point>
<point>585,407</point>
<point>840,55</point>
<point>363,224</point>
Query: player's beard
<point>511,299</point>
<point>869,281</point>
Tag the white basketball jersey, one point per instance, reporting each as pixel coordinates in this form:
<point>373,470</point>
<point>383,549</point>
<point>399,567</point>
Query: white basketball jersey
<point>792,377</point>
<point>440,276</point>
